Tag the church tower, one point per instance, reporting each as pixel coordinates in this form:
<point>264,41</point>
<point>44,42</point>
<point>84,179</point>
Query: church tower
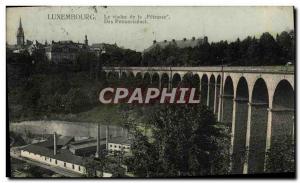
<point>20,35</point>
<point>86,42</point>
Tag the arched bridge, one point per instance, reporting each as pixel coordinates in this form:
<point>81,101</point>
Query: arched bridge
<point>257,103</point>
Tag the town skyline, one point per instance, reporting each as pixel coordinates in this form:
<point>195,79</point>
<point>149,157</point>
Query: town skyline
<point>140,36</point>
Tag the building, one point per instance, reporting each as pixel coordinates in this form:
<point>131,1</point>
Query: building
<point>57,151</point>
<point>66,153</point>
<point>64,52</point>
<point>20,36</point>
<point>61,141</point>
<point>36,48</point>
<point>20,45</point>
<point>86,41</point>
<point>61,52</point>
<point>51,152</point>
<point>63,159</point>
<point>184,43</point>
<point>118,144</point>
<point>85,147</point>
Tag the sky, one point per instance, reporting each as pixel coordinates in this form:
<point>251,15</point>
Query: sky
<point>217,23</point>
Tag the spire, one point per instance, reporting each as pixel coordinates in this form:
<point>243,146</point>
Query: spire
<point>20,35</point>
<point>86,42</point>
<point>20,24</point>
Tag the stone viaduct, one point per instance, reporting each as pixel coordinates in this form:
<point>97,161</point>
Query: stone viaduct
<point>257,103</point>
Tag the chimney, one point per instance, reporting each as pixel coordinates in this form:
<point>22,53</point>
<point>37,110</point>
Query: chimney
<point>154,41</point>
<point>184,39</point>
<point>98,142</point>
<point>193,38</point>
<point>173,40</point>
<point>165,41</point>
<point>116,131</point>
<point>54,143</point>
<point>107,136</point>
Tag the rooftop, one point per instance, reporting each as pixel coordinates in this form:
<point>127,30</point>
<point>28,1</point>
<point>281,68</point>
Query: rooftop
<point>61,141</point>
<point>184,43</point>
<point>86,143</point>
<point>120,140</point>
<point>62,154</point>
<point>89,140</point>
<point>68,46</point>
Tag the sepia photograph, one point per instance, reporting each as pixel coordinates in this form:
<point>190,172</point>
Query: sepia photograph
<point>150,92</point>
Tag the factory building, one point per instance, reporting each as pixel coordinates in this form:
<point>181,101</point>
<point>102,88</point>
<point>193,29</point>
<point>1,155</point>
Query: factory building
<point>70,154</point>
<point>85,147</point>
<point>63,152</point>
<point>63,159</point>
<point>119,144</point>
<point>61,141</point>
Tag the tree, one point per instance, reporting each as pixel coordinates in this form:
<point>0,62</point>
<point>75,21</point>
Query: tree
<point>117,163</point>
<point>75,100</point>
<point>286,44</point>
<point>187,141</point>
<point>90,167</point>
<point>101,163</point>
<point>281,156</point>
<point>269,49</point>
<point>252,56</point>
<point>144,160</point>
<point>249,52</point>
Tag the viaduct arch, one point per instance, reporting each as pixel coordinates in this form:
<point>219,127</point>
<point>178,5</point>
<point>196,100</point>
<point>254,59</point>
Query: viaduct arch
<point>256,103</point>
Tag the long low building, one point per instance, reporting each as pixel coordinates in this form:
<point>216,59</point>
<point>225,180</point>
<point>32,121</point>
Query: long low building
<point>66,153</point>
<point>64,158</point>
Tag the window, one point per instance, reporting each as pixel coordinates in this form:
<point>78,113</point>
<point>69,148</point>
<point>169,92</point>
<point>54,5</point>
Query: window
<point>50,160</point>
<point>55,161</point>
<point>45,158</point>
<point>65,165</point>
<point>73,167</point>
<point>115,146</point>
<point>110,145</point>
<point>120,147</point>
<point>79,168</point>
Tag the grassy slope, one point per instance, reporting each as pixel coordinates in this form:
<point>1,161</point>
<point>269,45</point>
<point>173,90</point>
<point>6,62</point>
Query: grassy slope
<point>101,113</point>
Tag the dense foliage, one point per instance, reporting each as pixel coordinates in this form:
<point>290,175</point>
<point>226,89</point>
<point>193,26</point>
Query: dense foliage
<point>185,141</point>
<point>34,92</point>
<point>251,51</point>
<point>113,56</point>
<point>281,156</point>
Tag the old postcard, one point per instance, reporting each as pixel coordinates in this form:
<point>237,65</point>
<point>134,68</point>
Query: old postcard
<point>150,92</point>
